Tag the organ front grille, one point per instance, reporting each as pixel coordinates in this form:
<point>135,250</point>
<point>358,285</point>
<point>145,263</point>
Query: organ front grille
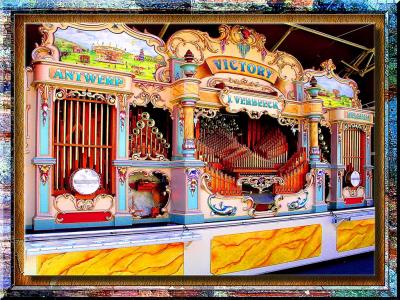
<point>352,150</point>
<point>83,138</point>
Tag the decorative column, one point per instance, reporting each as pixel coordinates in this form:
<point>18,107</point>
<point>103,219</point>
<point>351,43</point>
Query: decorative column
<point>177,133</point>
<point>368,175</point>
<point>337,166</point>
<point>122,215</point>
<point>314,119</point>
<point>43,218</point>
<point>188,103</point>
<point>302,141</point>
<point>314,108</point>
<point>186,175</point>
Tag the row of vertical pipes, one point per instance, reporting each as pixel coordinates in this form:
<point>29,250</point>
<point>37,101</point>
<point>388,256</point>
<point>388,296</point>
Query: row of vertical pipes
<point>293,174</point>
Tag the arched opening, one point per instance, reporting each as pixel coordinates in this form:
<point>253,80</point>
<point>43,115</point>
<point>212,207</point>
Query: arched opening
<point>150,133</point>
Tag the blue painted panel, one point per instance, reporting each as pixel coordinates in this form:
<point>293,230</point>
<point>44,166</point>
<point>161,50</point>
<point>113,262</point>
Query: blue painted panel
<point>187,219</point>
<point>339,190</point>
<point>180,137</point>
<point>122,141</point>
<point>192,198</point>
<point>231,218</point>
<point>44,137</point>
<point>121,197</point>
<point>44,197</point>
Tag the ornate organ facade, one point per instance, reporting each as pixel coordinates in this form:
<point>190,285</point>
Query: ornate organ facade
<point>198,130</point>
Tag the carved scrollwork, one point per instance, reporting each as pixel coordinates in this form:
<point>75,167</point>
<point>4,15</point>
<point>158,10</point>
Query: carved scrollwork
<point>150,93</point>
<point>204,112</point>
<point>293,123</point>
<point>260,182</point>
<point>298,203</point>
<point>326,123</point>
<point>364,127</point>
<point>198,42</point>
<point>64,93</point>
<point>67,203</point>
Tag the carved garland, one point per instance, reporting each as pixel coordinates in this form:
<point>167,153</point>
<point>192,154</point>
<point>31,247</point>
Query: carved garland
<point>122,174</point>
<point>45,91</point>
<point>192,179</point>
<point>44,171</point>
<point>122,108</point>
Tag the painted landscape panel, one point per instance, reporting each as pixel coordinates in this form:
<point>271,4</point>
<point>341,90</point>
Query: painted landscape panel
<point>333,92</point>
<point>105,49</point>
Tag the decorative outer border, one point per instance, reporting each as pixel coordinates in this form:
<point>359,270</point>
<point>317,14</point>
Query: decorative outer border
<point>371,286</point>
<point>48,51</point>
<point>328,70</point>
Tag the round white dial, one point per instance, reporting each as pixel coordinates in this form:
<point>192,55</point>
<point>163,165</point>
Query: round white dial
<point>85,181</point>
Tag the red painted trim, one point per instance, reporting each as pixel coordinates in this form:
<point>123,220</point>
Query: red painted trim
<point>357,200</point>
<point>83,217</point>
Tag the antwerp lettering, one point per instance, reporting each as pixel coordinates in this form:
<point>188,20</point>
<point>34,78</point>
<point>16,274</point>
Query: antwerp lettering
<point>86,77</point>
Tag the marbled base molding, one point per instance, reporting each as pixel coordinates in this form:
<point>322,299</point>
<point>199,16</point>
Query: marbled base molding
<point>355,234</point>
<point>166,259</point>
<point>244,251</point>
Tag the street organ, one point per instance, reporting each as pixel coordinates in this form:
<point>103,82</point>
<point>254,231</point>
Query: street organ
<point>130,131</point>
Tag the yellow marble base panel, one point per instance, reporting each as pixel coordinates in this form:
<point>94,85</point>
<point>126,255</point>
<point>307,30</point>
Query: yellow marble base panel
<point>245,251</point>
<point>355,234</point>
<point>166,259</point>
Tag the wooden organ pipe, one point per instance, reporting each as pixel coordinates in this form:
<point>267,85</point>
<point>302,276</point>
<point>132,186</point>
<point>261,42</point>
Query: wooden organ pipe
<point>293,173</point>
<point>352,154</point>
<point>75,140</point>
<point>222,183</point>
